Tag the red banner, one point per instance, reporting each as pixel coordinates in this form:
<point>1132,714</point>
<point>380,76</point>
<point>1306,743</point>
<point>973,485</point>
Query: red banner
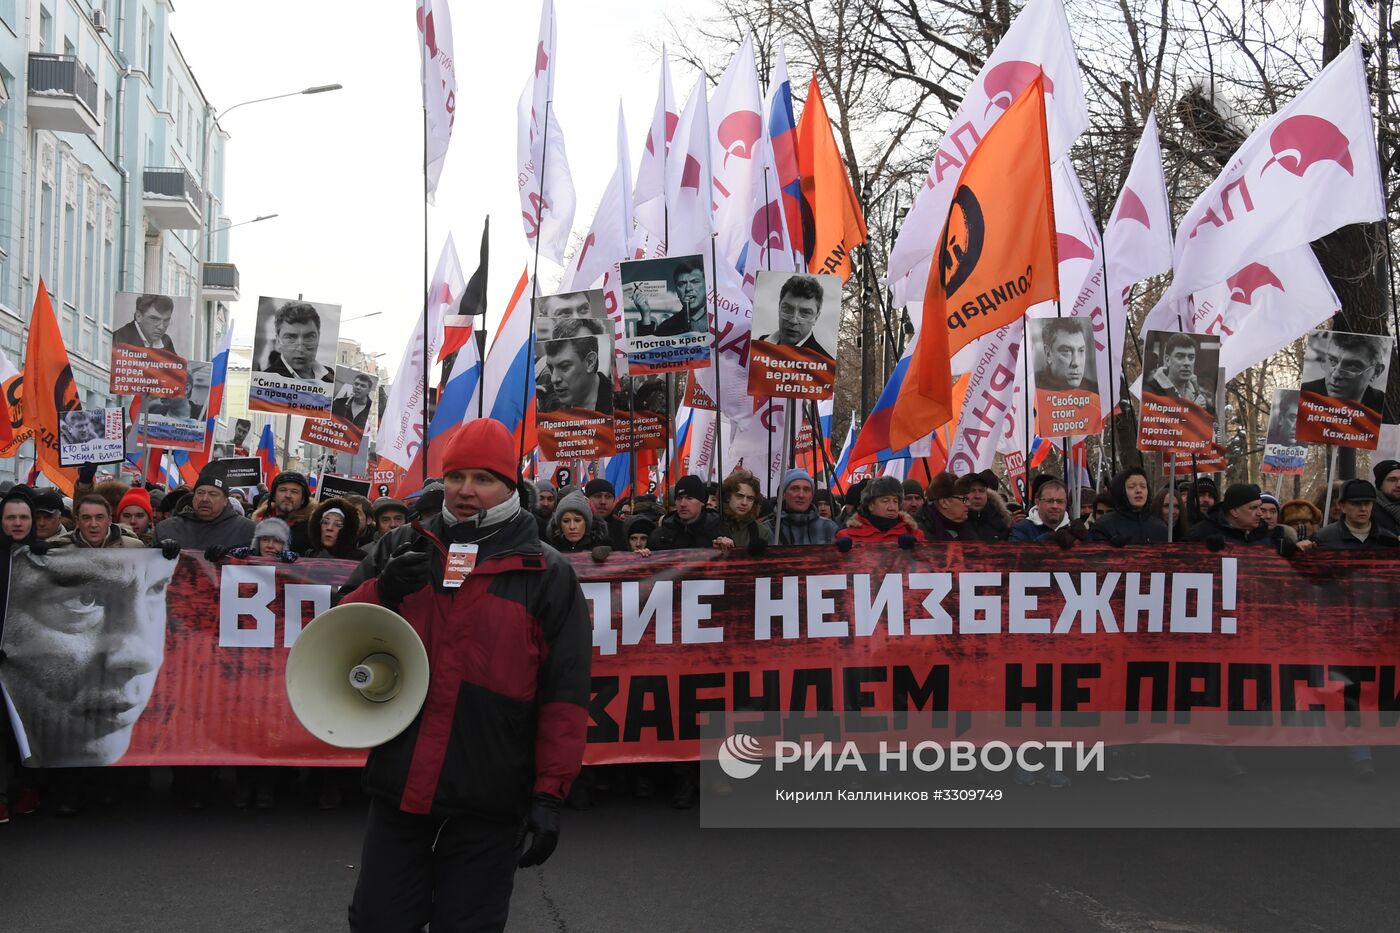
<point>146,371</point>
<point>1174,424</point>
<point>1067,412</point>
<point>1171,630</point>
<point>335,433</point>
<point>1326,420</point>
<point>576,434</point>
<point>779,371</point>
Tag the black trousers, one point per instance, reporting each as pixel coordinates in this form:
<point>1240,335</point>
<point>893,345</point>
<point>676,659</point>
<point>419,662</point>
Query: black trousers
<point>455,873</point>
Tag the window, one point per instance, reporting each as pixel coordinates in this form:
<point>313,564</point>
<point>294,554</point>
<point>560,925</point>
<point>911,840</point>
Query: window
<point>70,255</point>
<point>45,30</point>
<point>45,226</point>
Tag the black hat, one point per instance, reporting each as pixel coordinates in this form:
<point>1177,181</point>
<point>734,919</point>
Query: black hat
<point>387,504</point>
<point>213,475</point>
<point>290,476</point>
<point>1240,494</point>
<point>595,486</point>
<point>691,486</point>
<point>1357,490</point>
<point>51,502</point>
<point>913,487</point>
<point>1206,484</point>
<point>1383,469</point>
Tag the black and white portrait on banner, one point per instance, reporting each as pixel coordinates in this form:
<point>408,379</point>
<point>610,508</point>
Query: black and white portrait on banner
<point>1181,376</point>
<point>1343,392</point>
<point>153,337</point>
<point>1065,365</point>
<point>665,314</point>
<point>294,357</point>
<point>94,435</point>
<point>793,350</point>
<point>1282,452</point>
<point>80,669</point>
<point>345,429</point>
<point>574,377</point>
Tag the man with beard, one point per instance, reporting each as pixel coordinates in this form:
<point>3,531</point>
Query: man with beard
<point>290,500</point>
<point>1386,512</point>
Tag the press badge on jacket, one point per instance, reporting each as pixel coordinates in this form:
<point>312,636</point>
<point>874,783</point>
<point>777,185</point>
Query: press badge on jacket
<point>461,558</point>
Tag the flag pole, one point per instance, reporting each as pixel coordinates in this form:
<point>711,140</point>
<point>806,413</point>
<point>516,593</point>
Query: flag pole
<point>1171,496</point>
<point>535,277</point>
<point>1113,387</point>
<point>1026,410</point>
<point>427,363</point>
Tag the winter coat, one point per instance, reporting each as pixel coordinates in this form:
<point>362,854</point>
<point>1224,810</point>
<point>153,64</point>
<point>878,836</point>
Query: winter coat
<point>508,685</point>
<point>672,534</point>
<point>595,532</point>
<point>1336,537</point>
<point>802,528</point>
<point>1031,528</point>
<point>1386,514</point>
<point>935,527</point>
<point>1215,524</point>
<point>992,523</point>
<point>744,531</point>
<point>300,522</point>
<point>228,529</point>
<point>117,536</point>
<point>1125,524</point>
<point>860,529</point>
<point>347,543</point>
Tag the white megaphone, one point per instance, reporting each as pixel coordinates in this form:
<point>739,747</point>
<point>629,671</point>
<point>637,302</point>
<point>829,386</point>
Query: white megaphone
<point>357,675</point>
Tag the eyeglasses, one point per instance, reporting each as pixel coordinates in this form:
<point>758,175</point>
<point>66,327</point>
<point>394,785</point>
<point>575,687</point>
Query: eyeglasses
<point>1349,367</point>
<point>962,499</point>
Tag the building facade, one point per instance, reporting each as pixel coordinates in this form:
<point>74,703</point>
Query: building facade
<point>111,179</point>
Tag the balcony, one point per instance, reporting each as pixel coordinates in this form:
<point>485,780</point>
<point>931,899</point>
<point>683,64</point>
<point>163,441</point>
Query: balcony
<point>62,95</point>
<point>172,199</point>
<point>220,281</point>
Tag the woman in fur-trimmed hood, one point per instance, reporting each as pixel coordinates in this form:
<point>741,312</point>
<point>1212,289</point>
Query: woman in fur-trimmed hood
<point>879,517</point>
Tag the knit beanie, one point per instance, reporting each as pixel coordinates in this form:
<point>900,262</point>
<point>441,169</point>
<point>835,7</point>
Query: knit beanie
<point>574,502</point>
<point>483,444</point>
<point>135,496</point>
<point>912,488</point>
<point>1240,494</point>
<point>595,486</point>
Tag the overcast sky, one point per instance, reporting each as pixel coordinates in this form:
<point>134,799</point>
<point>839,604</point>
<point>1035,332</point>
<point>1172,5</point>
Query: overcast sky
<point>344,170</point>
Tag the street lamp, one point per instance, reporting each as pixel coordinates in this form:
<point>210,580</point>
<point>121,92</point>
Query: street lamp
<point>360,317</point>
<point>222,227</point>
<point>201,246</point>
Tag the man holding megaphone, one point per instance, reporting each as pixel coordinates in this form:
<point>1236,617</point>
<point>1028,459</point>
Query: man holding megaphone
<point>500,737</point>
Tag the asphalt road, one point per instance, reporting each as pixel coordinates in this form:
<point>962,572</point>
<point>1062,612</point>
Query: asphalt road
<point>639,865</point>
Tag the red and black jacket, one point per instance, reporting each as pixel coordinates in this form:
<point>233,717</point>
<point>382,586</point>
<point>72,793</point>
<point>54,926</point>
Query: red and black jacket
<point>508,659</point>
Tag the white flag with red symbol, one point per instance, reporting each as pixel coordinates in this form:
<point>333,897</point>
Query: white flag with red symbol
<point>439,76</point>
<point>547,198</point>
<point>649,194</point>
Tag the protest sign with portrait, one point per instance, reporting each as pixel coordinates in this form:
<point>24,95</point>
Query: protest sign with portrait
<point>793,350</point>
<point>641,413</point>
<point>1282,451</point>
<point>1181,375</point>
<point>179,422</point>
<point>294,357</point>
<point>665,314</point>
<point>1066,377</point>
<point>150,346</point>
<point>94,435</point>
<point>349,416</point>
<point>1343,391</point>
<point>573,376</point>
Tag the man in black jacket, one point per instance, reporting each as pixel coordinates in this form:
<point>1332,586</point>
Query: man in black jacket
<point>987,516</point>
<point>691,524</point>
<point>1131,521</point>
<point>501,735</point>
<point>1386,511</point>
<point>1236,521</point>
<point>1357,530</point>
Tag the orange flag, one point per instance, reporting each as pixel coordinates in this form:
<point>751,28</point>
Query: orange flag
<point>996,259</point>
<point>837,221</point>
<point>48,388</point>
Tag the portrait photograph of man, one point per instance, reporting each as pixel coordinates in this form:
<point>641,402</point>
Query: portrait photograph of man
<point>666,314</point>
<point>152,337</point>
<point>1066,376</point>
<point>1343,391</point>
<point>80,666</point>
<point>577,371</point>
<point>1283,419</point>
<point>354,392</point>
<point>795,316</point>
<point>1183,366</point>
<point>194,404</point>
<point>294,347</point>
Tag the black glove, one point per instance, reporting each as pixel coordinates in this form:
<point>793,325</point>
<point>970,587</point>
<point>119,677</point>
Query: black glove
<point>1065,538</point>
<point>215,553</point>
<point>86,474</point>
<point>543,826</point>
<point>907,541</point>
<point>1384,541</point>
<point>844,544</point>
<point>170,549</point>
<point>1216,542</point>
<point>406,572</point>
<point>1119,541</point>
<point>601,552</point>
<point>38,548</point>
<point>757,546</point>
<point>1286,545</point>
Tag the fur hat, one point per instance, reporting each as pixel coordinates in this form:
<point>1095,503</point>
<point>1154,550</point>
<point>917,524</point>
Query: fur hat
<point>1295,511</point>
<point>944,486</point>
<point>879,487</point>
<point>272,528</point>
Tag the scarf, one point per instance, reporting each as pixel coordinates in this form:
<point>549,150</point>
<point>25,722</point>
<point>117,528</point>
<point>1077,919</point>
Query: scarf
<point>883,524</point>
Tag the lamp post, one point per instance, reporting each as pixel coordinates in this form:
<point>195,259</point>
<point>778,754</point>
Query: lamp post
<point>201,246</point>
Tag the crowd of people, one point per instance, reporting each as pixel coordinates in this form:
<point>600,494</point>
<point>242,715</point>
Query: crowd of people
<point>284,521</point>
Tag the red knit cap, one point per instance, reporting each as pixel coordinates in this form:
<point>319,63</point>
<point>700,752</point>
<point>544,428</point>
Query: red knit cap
<point>483,444</point>
<point>135,496</point>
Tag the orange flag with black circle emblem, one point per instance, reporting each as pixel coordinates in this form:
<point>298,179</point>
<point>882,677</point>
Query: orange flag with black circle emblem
<point>830,203</point>
<point>47,389</point>
<point>994,260</point>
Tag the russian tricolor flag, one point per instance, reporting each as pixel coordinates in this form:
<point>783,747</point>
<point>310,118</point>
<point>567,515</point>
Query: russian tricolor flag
<point>267,450</point>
